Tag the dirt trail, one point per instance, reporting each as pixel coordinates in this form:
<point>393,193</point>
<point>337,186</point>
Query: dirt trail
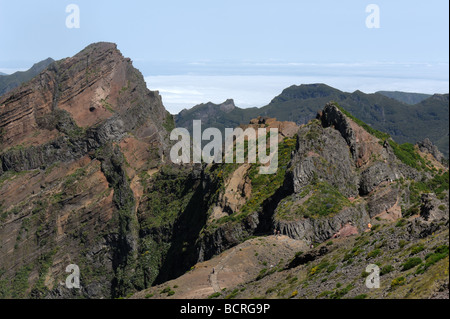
<point>220,266</point>
<point>235,266</point>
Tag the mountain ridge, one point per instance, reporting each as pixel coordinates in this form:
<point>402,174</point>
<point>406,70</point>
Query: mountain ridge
<point>405,97</point>
<point>9,82</point>
<point>405,123</point>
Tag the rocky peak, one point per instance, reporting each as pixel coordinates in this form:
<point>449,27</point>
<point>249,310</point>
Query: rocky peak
<point>94,97</point>
<point>75,142</point>
<point>440,97</point>
<point>227,106</point>
<point>427,146</point>
<point>305,91</point>
<point>331,116</point>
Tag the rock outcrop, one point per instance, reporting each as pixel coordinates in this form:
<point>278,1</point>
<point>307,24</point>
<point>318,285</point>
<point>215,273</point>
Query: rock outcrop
<point>433,209</point>
<point>317,230</point>
<point>427,146</point>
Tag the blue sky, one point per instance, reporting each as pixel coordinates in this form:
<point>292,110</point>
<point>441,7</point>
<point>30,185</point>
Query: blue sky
<point>196,51</point>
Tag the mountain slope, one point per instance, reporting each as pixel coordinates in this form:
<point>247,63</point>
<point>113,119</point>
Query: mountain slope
<point>9,82</point>
<point>405,97</point>
<point>74,141</point>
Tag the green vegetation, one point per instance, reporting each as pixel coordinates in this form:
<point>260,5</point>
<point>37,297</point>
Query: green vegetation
<point>214,295</point>
<point>44,263</point>
<point>233,294</point>
<point>178,190</point>
<point>374,253</point>
<point>411,263</point>
<point>439,253</point>
<point>401,222</point>
<point>438,185</point>
<point>408,155</point>
<point>167,291</point>
<point>339,293</point>
<point>169,123</point>
<point>317,269</point>
<point>398,282</point>
<point>417,249</point>
<point>107,105</point>
<point>386,269</point>
<point>20,282</point>
<point>265,272</point>
<point>322,200</point>
<point>260,191</point>
<point>72,178</point>
<point>259,182</point>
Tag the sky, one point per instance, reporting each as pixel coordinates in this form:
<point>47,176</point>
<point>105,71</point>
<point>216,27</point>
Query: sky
<point>249,50</point>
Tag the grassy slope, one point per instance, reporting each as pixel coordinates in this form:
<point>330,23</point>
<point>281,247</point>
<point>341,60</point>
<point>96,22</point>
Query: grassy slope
<point>341,273</point>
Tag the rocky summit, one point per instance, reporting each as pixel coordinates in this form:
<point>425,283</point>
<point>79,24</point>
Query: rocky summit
<point>73,142</point>
<point>86,180</point>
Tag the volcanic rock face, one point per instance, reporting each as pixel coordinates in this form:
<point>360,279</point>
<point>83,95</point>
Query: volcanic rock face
<point>337,150</point>
<point>104,96</point>
<point>433,209</point>
<point>67,192</point>
<point>353,175</point>
<point>427,146</point>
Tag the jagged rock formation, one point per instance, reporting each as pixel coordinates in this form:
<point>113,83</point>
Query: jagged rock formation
<point>74,141</point>
<point>427,146</point>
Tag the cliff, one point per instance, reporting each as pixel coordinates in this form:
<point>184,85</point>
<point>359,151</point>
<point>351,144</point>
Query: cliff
<point>74,140</point>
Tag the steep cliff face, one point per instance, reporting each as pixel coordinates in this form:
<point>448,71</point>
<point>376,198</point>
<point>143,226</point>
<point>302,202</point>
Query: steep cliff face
<point>341,174</point>
<point>74,141</point>
<point>86,101</point>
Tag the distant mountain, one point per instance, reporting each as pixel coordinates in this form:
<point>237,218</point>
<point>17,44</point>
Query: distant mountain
<point>1,73</point>
<point>405,97</point>
<point>405,123</point>
<point>10,82</point>
<point>220,116</point>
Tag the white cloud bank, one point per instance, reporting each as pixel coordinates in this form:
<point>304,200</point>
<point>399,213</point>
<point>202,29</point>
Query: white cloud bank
<point>185,91</point>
